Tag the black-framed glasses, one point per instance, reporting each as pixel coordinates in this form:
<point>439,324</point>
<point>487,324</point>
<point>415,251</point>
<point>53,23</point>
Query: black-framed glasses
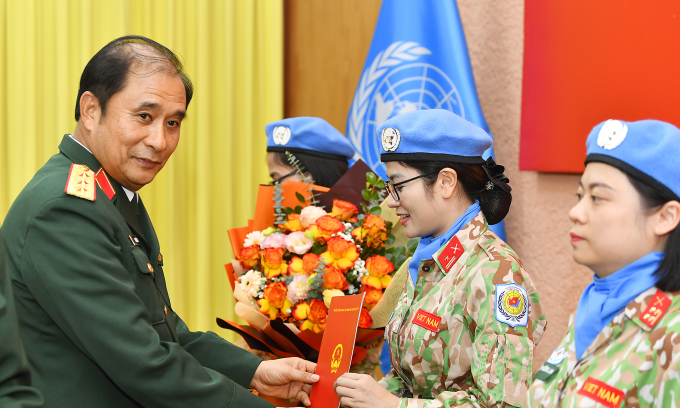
<point>392,187</point>
<point>278,180</point>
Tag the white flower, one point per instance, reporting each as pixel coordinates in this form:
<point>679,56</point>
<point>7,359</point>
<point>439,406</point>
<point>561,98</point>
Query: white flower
<point>297,288</point>
<point>252,283</point>
<point>254,238</point>
<point>310,214</point>
<point>275,240</point>
<point>329,294</point>
<point>298,243</point>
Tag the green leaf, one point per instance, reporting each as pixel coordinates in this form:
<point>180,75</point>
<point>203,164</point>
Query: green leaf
<point>375,196</point>
<point>390,239</point>
<point>298,209</point>
<point>288,210</point>
<point>389,250</point>
<point>366,194</point>
<point>412,245</point>
<point>300,197</point>
<point>375,210</point>
<point>371,178</point>
<point>380,184</point>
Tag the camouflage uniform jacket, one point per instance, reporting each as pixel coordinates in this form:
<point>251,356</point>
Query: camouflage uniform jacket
<point>468,358</point>
<point>638,362</point>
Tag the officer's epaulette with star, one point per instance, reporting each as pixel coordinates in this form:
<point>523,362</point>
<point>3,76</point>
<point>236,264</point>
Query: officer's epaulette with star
<point>82,182</point>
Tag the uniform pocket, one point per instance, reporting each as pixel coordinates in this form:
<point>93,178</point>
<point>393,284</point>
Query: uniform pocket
<point>145,287</point>
<point>141,260</point>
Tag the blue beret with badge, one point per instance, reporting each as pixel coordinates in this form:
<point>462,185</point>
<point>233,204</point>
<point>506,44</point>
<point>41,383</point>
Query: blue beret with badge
<point>432,134</point>
<point>647,150</point>
<point>308,135</point>
<point>438,135</point>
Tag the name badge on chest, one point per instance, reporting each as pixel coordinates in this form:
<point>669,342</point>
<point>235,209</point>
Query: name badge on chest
<point>602,392</point>
<point>427,320</point>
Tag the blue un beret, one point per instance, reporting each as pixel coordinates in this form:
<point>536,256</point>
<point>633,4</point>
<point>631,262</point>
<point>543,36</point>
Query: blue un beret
<point>432,134</point>
<point>648,150</point>
<point>308,135</point>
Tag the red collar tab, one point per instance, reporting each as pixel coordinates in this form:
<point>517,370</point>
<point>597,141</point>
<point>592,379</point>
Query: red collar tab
<point>655,309</point>
<point>104,183</point>
<point>449,256</point>
<point>601,392</point>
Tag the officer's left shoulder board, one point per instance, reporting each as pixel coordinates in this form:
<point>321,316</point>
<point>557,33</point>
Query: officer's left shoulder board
<point>81,182</point>
<point>512,304</point>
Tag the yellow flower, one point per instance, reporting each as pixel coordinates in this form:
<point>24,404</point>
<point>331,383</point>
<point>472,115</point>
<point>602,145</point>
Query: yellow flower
<point>341,254</point>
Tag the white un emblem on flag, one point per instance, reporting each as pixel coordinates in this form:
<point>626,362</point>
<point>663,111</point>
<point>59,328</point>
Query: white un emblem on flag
<point>396,83</point>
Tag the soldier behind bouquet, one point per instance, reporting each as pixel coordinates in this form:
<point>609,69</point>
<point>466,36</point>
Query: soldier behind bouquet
<point>94,310</point>
<point>622,347</point>
<point>465,327</point>
<point>323,152</point>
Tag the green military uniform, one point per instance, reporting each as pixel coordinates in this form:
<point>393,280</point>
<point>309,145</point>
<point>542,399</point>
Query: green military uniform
<point>15,375</point>
<point>633,361</point>
<point>94,311</point>
<point>447,346</point>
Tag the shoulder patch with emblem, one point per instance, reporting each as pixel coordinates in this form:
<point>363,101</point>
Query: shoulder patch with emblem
<point>450,254</point>
<point>512,305</point>
<point>655,309</point>
<point>81,182</point>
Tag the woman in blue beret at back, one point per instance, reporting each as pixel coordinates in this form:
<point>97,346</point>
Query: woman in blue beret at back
<point>469,317</point>
<point>622,346</point>
<point>323,152</point>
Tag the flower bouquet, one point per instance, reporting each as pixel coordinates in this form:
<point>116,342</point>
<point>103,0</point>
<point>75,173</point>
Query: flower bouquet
<point>285,275</point>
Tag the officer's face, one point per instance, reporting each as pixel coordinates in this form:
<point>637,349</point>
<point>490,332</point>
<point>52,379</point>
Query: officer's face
<point>420,216</point>
<point>279,171</point>
<point>610,226</point>
<point>141,128</point>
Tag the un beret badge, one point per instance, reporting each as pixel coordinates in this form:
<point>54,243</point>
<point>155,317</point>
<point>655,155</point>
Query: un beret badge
<point>281,135</point>
<point>390,139</point>
<point>611,134</point>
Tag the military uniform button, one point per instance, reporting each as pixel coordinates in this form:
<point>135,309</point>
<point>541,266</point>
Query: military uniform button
<point>165,308</point>
<point>160,258</point>
<point>148,265</point>
<point>426,268</point>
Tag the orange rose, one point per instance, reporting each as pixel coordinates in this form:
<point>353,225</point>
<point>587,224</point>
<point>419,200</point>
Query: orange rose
<point>315,312</point>
<point>341,253</point>
<point>272,260</point>
<point>334,279</point>
<point>318,311</point>
<point>373,231</point>
<point>274,302</point>
<point>326,226</point>
<point>379,266</point>
<point>249,257</point>
<point>365,319</point>
<point>344,211</point>
<point>372,297</point>
<point>305,265</point>
<point>293,223</point>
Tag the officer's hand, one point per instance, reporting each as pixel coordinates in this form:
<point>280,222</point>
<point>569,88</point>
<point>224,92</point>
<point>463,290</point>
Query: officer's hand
<point>285,378</point>
<point>362,391</point>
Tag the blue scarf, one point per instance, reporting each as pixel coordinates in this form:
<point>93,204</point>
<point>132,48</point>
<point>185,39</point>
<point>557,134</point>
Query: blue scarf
<point>428,246</point>
<point>605,298</point>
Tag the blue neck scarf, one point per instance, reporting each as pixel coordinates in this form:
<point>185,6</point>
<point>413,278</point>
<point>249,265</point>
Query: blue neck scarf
<point>428,246</point>
<point>605,298</point>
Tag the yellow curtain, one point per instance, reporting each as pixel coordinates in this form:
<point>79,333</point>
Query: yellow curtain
<point>233,52</point>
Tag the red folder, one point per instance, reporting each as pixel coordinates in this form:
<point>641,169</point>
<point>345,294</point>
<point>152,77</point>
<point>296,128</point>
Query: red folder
<point>337,345</point>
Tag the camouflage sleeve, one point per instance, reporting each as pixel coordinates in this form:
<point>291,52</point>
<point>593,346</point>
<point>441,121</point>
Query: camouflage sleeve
<point>392,383</point>
<point>668,393</point>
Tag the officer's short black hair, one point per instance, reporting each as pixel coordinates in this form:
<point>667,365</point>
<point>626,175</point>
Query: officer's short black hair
<point>106,73</point>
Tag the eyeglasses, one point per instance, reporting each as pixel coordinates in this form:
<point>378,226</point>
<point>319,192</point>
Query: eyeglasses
<point>392,187</point>
<point>278,180</point>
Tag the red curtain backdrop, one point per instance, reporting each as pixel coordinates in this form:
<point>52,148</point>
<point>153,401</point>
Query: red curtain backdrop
<point>586,61</point>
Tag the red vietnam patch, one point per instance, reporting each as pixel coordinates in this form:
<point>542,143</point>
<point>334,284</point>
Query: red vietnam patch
<point>655,309</point>
<point>449,256</point>
<point>601,392</point>
<point>427,320</point>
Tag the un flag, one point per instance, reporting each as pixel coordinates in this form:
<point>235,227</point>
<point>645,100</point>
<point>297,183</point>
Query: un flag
<point>418,60</point>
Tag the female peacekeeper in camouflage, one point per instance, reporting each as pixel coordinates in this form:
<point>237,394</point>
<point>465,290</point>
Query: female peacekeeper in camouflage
<point>464,330</point>
<point>622,347</point>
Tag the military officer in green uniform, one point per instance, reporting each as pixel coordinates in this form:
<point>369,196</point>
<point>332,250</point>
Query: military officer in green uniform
<point>95,316</point>
<point>15,375</point>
